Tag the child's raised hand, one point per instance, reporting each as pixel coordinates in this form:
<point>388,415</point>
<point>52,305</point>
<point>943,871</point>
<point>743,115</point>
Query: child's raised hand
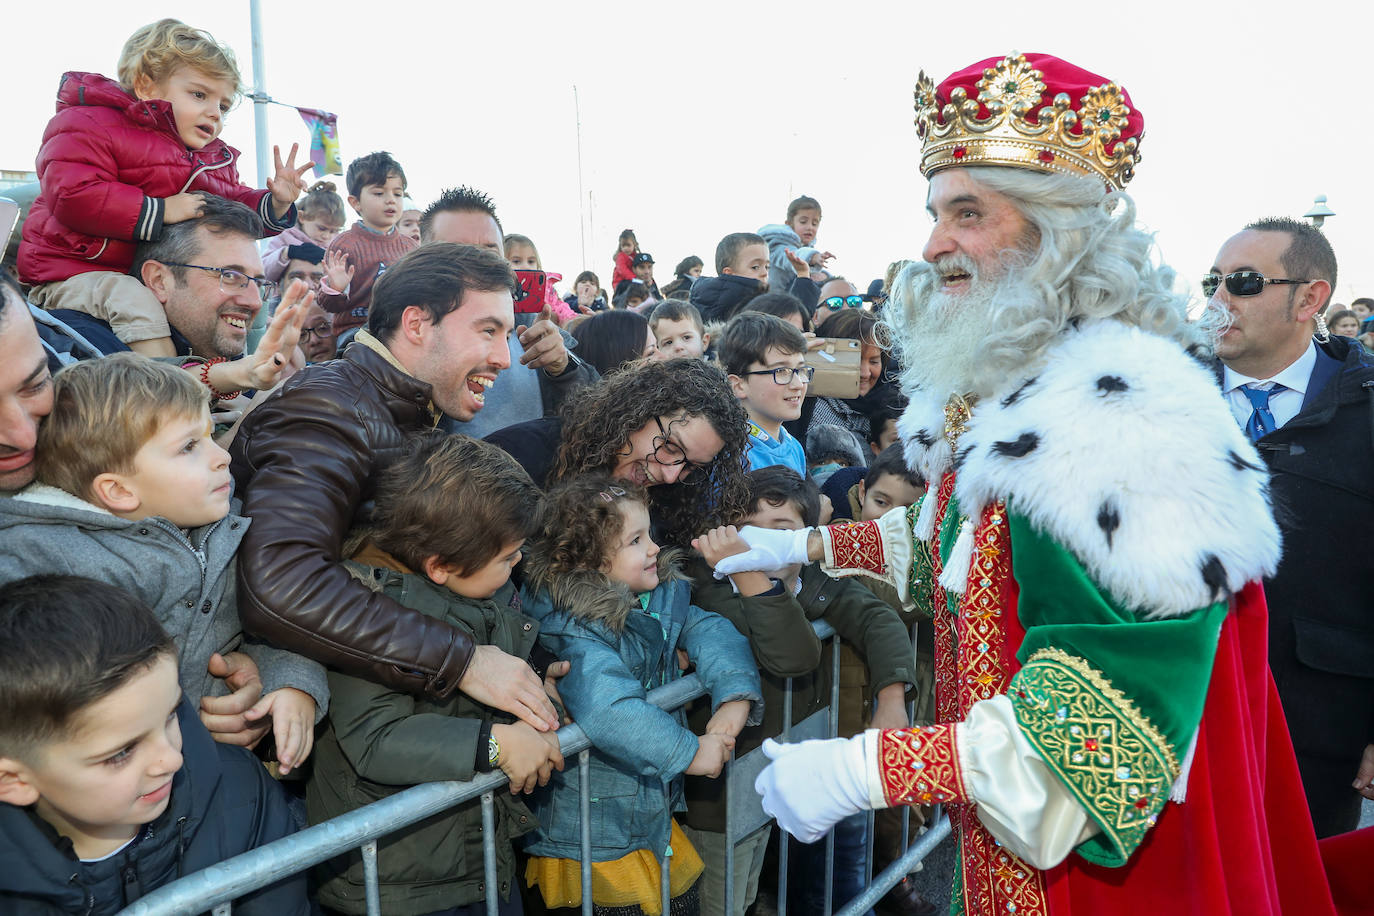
<point>719,543</point>
<point>293,724</point>
<point>712,752</point>
<point>729,719</point>
<point>180,207</point>
<point>287,184</point>
<point>337,271</point>
<point>528,757</point>
<point>799,266</point>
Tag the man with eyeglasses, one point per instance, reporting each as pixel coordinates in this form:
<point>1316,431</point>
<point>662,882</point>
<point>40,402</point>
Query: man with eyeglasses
<point>1090,547</point>
<point>1306,403</point>
<point>208,275</point>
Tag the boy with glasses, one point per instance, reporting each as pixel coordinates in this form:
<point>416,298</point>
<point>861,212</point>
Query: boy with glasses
<point>765,358</point>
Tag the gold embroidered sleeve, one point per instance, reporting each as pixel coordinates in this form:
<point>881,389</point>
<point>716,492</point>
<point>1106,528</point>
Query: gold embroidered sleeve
<point>1112,758</point>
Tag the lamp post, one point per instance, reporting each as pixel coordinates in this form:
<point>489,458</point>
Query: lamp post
<point>1319,212</point>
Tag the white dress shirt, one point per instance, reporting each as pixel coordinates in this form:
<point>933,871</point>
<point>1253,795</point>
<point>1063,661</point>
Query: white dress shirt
<point>1284,405</point>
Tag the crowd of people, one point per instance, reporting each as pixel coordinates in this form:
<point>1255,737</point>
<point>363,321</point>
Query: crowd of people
<point>296,516</point>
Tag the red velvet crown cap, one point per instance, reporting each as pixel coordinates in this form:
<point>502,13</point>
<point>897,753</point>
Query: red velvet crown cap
<point>1058,75</point>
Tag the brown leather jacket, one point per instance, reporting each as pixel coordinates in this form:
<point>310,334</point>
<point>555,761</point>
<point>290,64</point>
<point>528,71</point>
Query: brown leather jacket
<point>305,464</point>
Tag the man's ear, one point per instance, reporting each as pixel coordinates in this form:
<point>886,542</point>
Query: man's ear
<point>414,325</point>
<point>1314,295</point>
<point>159,279</point>
<point>112,492</point>
<point>16,787</point>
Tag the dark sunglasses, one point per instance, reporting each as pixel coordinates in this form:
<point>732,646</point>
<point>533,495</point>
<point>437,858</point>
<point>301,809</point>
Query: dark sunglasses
<point>840,302</point>
<point>1242,283</point>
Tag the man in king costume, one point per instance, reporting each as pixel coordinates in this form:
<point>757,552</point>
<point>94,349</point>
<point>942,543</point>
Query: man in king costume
<point>1108,737</point>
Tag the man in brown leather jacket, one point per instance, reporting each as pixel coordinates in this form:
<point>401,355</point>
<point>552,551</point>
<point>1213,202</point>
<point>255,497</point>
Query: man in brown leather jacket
<point>305,464</point>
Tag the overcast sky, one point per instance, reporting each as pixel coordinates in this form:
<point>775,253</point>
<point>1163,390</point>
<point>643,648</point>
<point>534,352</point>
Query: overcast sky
<point>703,119</point>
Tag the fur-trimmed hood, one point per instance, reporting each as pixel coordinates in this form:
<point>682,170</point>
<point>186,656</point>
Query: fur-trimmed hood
<point>1119,446</point>
<point>590,596</point>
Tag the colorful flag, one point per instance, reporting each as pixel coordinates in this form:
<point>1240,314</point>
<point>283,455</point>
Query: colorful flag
<point>324,141</point>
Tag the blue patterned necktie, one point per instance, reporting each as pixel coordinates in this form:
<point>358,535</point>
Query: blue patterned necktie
<point>1261,420</point>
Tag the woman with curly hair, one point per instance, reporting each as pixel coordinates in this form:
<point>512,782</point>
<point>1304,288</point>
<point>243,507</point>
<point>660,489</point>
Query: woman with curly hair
<point>674,427</point>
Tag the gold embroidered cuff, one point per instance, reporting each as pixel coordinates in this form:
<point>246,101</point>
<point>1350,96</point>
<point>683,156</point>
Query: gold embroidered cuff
<point>1113,759</point>
<point>920,766</point>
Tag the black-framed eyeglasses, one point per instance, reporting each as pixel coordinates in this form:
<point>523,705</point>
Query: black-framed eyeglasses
<point>231,280</point>
<point>844,302</point>
<point>669,454</point>
<point>783,375</point>
<point>1243,283</point>
<point>323,330</point>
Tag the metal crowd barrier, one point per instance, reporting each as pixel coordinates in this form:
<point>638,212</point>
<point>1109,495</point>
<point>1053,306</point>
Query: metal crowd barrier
<point>215,888</point>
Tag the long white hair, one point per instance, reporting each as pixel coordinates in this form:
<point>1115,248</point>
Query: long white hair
<point>1089,262</point>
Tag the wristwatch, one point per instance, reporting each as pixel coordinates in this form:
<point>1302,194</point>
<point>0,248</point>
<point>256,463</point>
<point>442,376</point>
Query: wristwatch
<point>493,751</point>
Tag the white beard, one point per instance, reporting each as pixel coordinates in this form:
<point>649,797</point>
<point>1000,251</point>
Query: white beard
<point>945,339</point>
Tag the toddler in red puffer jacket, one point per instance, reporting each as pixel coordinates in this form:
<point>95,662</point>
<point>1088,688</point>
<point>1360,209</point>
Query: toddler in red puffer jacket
<point>122,159</point>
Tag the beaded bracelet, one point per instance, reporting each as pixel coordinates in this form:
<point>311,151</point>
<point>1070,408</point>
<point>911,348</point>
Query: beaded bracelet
<point>205,380</point>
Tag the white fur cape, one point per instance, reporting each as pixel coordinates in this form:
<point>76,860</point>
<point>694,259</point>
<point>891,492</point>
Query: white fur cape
<point>1121,448</point>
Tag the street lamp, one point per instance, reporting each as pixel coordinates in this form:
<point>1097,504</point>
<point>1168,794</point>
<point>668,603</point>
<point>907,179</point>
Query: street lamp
<point>1319,212</point>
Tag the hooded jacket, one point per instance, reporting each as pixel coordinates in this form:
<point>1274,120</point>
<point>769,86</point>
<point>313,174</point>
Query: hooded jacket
<point>223,803</point>
<point>186,577</point>
<point>381,741</point>
<point>619,653</point>
<point>106,163</point>
<point>721,298</point>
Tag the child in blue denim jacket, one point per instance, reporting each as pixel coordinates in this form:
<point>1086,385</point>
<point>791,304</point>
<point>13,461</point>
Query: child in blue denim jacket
<point>611,603</point>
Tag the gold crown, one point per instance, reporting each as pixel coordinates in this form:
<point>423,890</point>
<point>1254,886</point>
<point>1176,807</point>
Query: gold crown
<point>954,134</point>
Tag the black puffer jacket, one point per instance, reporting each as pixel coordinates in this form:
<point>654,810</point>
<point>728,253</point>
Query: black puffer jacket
<point>1321,600</point>
<point>721,298</point>
<point>223,803</point>
<point>305,465</point>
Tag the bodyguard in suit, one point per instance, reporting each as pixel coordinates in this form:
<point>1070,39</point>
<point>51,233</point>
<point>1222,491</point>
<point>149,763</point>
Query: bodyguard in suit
<point>1307,403</point>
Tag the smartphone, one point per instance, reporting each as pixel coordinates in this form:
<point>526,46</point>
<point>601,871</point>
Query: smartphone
<point>533,291</point>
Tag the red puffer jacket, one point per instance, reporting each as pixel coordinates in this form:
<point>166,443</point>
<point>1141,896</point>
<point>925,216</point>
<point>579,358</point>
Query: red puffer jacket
<point>107,161</point>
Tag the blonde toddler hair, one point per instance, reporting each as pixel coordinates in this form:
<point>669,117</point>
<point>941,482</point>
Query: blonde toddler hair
<point>157,50</point>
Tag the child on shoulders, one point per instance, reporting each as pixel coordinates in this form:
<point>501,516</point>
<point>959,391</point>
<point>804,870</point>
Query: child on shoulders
<point>626,247</point>
<point>742,266</point>
<point>120,160</point>
<point>110,787</point>
<point>132,491</point>
<point>451,519</point>
<point>794,241</point>
<point>614,606</point>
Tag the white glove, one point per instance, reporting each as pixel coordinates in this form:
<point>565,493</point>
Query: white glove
<point>811,786</point>
<point>768,549</point>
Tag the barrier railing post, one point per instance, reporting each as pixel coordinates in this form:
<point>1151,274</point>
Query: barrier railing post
<point>489,851</point>
<point>834,733</point>
<point>584,779</point>
<point>665,880</point>
<point>729,840</point>
<point>894,872</point>
<point>371,891</point>
<point>783,842</point>
<point>223,909</point>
